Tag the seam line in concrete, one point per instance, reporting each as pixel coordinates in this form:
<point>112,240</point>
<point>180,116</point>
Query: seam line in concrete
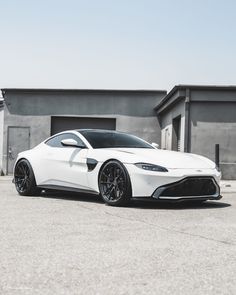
<point>173,230</point>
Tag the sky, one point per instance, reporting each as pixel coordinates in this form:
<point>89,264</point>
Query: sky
<point>117,44</point>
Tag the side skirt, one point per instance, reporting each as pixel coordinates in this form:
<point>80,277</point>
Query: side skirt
<point>67,189</point>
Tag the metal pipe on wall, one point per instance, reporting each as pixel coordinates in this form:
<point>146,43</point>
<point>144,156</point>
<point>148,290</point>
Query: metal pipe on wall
<point>217,155</point>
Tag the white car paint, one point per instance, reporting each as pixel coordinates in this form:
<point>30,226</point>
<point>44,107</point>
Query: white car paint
<point>67,167</point>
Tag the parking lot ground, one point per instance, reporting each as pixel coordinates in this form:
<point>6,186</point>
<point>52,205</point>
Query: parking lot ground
<point>74,244</point>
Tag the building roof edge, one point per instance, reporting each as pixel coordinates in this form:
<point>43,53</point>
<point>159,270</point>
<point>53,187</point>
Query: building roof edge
<point>81,90</point>
<point>192,87</point>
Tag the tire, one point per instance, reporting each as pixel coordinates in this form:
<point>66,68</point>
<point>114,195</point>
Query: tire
<point>114,184</point>
<point>24,179</point>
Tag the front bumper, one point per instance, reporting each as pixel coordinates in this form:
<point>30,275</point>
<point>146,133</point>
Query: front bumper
<point>189,188</point>
<point>145,183</point>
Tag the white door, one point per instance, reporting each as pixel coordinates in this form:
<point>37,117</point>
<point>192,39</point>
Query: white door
<point>63,166</point>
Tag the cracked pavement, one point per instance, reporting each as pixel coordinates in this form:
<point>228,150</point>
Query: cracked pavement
<point>74,244</point>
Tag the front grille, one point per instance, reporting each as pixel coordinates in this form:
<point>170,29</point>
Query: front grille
<point>191,186</point>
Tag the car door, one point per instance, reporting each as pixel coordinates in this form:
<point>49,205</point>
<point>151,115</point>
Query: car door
<point>64,166</point>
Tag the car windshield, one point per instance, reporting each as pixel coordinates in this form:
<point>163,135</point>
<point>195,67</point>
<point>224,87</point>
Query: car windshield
<point>112,139</point>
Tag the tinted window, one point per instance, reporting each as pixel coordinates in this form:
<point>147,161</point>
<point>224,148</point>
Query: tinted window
<point>56,140</point>
<point>106,139</point>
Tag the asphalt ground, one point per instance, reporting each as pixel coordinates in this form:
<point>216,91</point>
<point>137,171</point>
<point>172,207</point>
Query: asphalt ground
<point>73,244</point>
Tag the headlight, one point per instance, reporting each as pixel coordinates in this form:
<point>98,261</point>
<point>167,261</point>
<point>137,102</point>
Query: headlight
<point>151,167</point>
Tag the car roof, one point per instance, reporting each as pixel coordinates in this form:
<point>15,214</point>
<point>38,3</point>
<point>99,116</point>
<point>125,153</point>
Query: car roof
<point>99,130</point>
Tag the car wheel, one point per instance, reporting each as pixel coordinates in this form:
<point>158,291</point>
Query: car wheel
<point>24,179</point>
<point>114,184</point>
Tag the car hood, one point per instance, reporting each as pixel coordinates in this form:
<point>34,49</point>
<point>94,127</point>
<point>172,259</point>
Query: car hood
<point>165,158</point>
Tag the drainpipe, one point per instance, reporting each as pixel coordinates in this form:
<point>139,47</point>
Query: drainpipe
<point>217,155</point>
<point>187,121</point>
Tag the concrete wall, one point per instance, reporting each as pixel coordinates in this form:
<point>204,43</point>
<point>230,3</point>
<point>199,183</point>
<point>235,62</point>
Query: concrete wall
<point>1,138</point>
<point>133,111</point>
<point>127,103</point>
<point>211,123</point>
<point>217,95</point>
<point>166,125</point>
<point>39,130</point>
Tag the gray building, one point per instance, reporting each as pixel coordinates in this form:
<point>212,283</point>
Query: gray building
<point>31,115</point>
<point>195,118</point>
<point>188,118</point>
<point>1,133</point>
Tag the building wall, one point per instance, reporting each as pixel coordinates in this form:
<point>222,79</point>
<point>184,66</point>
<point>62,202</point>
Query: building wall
<point>211,123</point>
<point>167,128</point>
<point>1,138</point>
<point>89,103</point>
<point>133,112</point>
<point>217,95</point>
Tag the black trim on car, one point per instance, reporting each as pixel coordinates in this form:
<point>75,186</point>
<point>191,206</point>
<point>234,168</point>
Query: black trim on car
<point>91,163</point>
<point>192,187</point>
<point>67,189</point>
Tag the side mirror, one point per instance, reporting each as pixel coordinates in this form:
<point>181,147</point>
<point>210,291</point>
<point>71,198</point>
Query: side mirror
<point>155,145</point>
<point>71,142</point>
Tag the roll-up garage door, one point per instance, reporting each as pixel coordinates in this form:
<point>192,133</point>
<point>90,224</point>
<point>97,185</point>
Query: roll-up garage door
<point>59,124</point>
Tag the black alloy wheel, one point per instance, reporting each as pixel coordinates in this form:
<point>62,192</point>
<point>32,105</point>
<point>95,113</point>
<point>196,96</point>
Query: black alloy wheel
<point>114,184</point>
<point>24,179</point>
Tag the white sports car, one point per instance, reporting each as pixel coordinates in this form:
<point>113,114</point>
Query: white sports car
<point>115,165</point>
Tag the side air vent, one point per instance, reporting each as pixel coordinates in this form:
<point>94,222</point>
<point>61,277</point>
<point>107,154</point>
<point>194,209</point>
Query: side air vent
<point>91,163</point>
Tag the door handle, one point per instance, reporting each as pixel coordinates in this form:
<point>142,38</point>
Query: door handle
<point>10,154</point>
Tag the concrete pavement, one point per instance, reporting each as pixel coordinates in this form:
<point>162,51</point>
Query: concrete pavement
<point>228,186</point>
<point>73,244</point>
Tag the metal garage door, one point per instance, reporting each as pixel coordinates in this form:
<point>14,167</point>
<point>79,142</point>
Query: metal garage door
<point>59,124</point>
